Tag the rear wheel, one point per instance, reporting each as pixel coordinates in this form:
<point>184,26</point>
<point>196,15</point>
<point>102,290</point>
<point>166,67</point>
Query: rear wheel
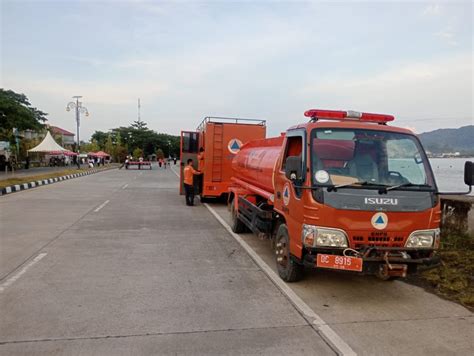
<point>237,225</point>
<point>288,270</point>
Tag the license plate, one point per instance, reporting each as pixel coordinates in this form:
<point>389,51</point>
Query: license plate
<point>345,263</point>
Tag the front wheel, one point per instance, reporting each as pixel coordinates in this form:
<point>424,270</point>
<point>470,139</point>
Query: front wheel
<point>288,270</point>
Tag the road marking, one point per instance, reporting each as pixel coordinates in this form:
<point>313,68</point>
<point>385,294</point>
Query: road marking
<point>101,205</point>
<point>125,186</point>
<point>177,174</point>
<point>21,272</point>
<point>323,329</point>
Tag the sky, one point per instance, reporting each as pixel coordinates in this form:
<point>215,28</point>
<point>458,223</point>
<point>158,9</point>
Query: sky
<point>269,60</point>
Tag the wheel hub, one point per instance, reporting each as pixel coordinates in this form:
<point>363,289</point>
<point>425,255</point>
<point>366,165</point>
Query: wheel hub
<point>281,252</point>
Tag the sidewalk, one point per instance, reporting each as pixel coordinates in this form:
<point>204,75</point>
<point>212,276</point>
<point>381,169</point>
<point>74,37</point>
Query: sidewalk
<point>34,171</point>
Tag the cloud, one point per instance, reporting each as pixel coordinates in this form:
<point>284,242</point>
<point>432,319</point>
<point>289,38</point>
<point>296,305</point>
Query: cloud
<point>432,10</point>
<point>447,36</point>
<point>428,89</point>
<point>122,93</point>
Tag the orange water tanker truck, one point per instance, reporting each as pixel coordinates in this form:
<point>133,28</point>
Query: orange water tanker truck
<point>212,147</point>
<point>344,191</point>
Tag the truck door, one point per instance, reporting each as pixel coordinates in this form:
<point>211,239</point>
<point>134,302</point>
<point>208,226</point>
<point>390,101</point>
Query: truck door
<point>189,147</point>
<point>288,196</point>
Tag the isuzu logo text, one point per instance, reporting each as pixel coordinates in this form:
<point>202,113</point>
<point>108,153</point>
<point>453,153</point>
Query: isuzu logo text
<point>381,201</point>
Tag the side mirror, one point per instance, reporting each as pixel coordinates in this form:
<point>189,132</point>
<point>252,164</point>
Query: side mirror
<point>469,173</point>
<point>293,169</point>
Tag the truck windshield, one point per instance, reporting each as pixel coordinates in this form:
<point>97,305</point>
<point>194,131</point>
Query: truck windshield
<point>367,159</point>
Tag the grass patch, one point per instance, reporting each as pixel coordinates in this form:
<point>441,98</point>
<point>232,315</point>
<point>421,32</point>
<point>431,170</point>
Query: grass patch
<point>20,180</point>
<point>454,278</point>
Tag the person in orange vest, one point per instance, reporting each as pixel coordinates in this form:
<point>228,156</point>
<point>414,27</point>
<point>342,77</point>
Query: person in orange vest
<point>189,173</point>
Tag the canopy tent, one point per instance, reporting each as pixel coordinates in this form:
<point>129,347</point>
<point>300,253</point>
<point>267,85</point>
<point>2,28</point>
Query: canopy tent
<point>48,145</point>
<point>59,153</point>
<point>100,154</point>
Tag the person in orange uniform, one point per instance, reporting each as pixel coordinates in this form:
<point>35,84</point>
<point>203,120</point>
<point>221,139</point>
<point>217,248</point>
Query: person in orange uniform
<point>189,173</point>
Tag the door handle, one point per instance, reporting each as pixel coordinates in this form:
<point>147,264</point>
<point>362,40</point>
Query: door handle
<point>278,195</point>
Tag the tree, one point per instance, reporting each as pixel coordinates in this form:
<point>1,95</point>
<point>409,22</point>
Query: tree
<point>137,153</point>
<point>109,146</point>
<point>17,112</point>
<point>100,137</point>
<point>138,136</point>
<point>90,147</point>
<point>160,154</point>
<point>139,125</point>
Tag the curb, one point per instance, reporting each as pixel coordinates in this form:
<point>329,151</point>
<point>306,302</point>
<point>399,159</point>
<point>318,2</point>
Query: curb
<point>24,186</point>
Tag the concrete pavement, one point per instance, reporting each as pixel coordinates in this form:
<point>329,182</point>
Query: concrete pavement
<point>128,268</point>
<point>376,317</point>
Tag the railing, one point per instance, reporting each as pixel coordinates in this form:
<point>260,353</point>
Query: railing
<point>233,120</point>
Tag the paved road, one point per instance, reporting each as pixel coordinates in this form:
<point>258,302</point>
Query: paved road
<point>115,263</point>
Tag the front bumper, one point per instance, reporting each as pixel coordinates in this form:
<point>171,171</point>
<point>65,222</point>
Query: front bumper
<point>375,257</point>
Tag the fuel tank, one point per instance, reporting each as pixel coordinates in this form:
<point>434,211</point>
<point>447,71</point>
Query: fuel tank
<point>255,161</point>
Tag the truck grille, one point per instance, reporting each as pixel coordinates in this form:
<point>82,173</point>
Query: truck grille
<point>377,240</point>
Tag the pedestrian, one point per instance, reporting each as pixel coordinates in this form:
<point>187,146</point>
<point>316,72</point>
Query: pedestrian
<point>189,173</point>
<point>160,162</point>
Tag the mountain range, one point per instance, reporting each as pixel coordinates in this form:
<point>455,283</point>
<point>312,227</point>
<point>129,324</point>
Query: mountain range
<point>449,140</point>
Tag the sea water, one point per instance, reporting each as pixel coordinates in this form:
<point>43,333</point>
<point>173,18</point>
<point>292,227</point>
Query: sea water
<point>449,173</point>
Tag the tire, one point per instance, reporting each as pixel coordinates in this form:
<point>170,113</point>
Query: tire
<point>237,225</point>
<point>288,269</point>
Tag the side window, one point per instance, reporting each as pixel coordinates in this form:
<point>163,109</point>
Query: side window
<point>294,147</point>
<point>190,142</point>
<point>404,159</point>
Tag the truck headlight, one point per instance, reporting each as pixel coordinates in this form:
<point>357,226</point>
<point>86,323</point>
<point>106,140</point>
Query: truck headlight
<point>423,239</point>
<point>314,236</point>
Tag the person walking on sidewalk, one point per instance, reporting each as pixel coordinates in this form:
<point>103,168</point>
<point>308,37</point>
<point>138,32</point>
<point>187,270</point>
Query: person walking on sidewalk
<point>189,173</point>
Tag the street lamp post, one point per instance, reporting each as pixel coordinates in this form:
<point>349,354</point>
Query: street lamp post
<point>77,105</point>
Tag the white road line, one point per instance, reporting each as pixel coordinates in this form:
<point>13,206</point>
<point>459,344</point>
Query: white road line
<point>125,186</point>
<point>21,272</point>
<point>177,174</point>
<point>101,205</point>
<point>320,325</point>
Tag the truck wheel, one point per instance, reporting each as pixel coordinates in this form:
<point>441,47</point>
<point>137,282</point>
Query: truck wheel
<point>237,225</point>
<point>289,270</point>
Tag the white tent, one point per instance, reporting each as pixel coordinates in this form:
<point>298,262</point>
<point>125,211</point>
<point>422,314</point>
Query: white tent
<point>48,145</point>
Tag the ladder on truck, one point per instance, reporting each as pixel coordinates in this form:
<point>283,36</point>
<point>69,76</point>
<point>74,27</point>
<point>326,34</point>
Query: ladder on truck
<point>217,152</point>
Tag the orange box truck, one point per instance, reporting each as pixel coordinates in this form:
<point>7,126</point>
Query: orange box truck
<point>344,191</point>
<point>219,139</point>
